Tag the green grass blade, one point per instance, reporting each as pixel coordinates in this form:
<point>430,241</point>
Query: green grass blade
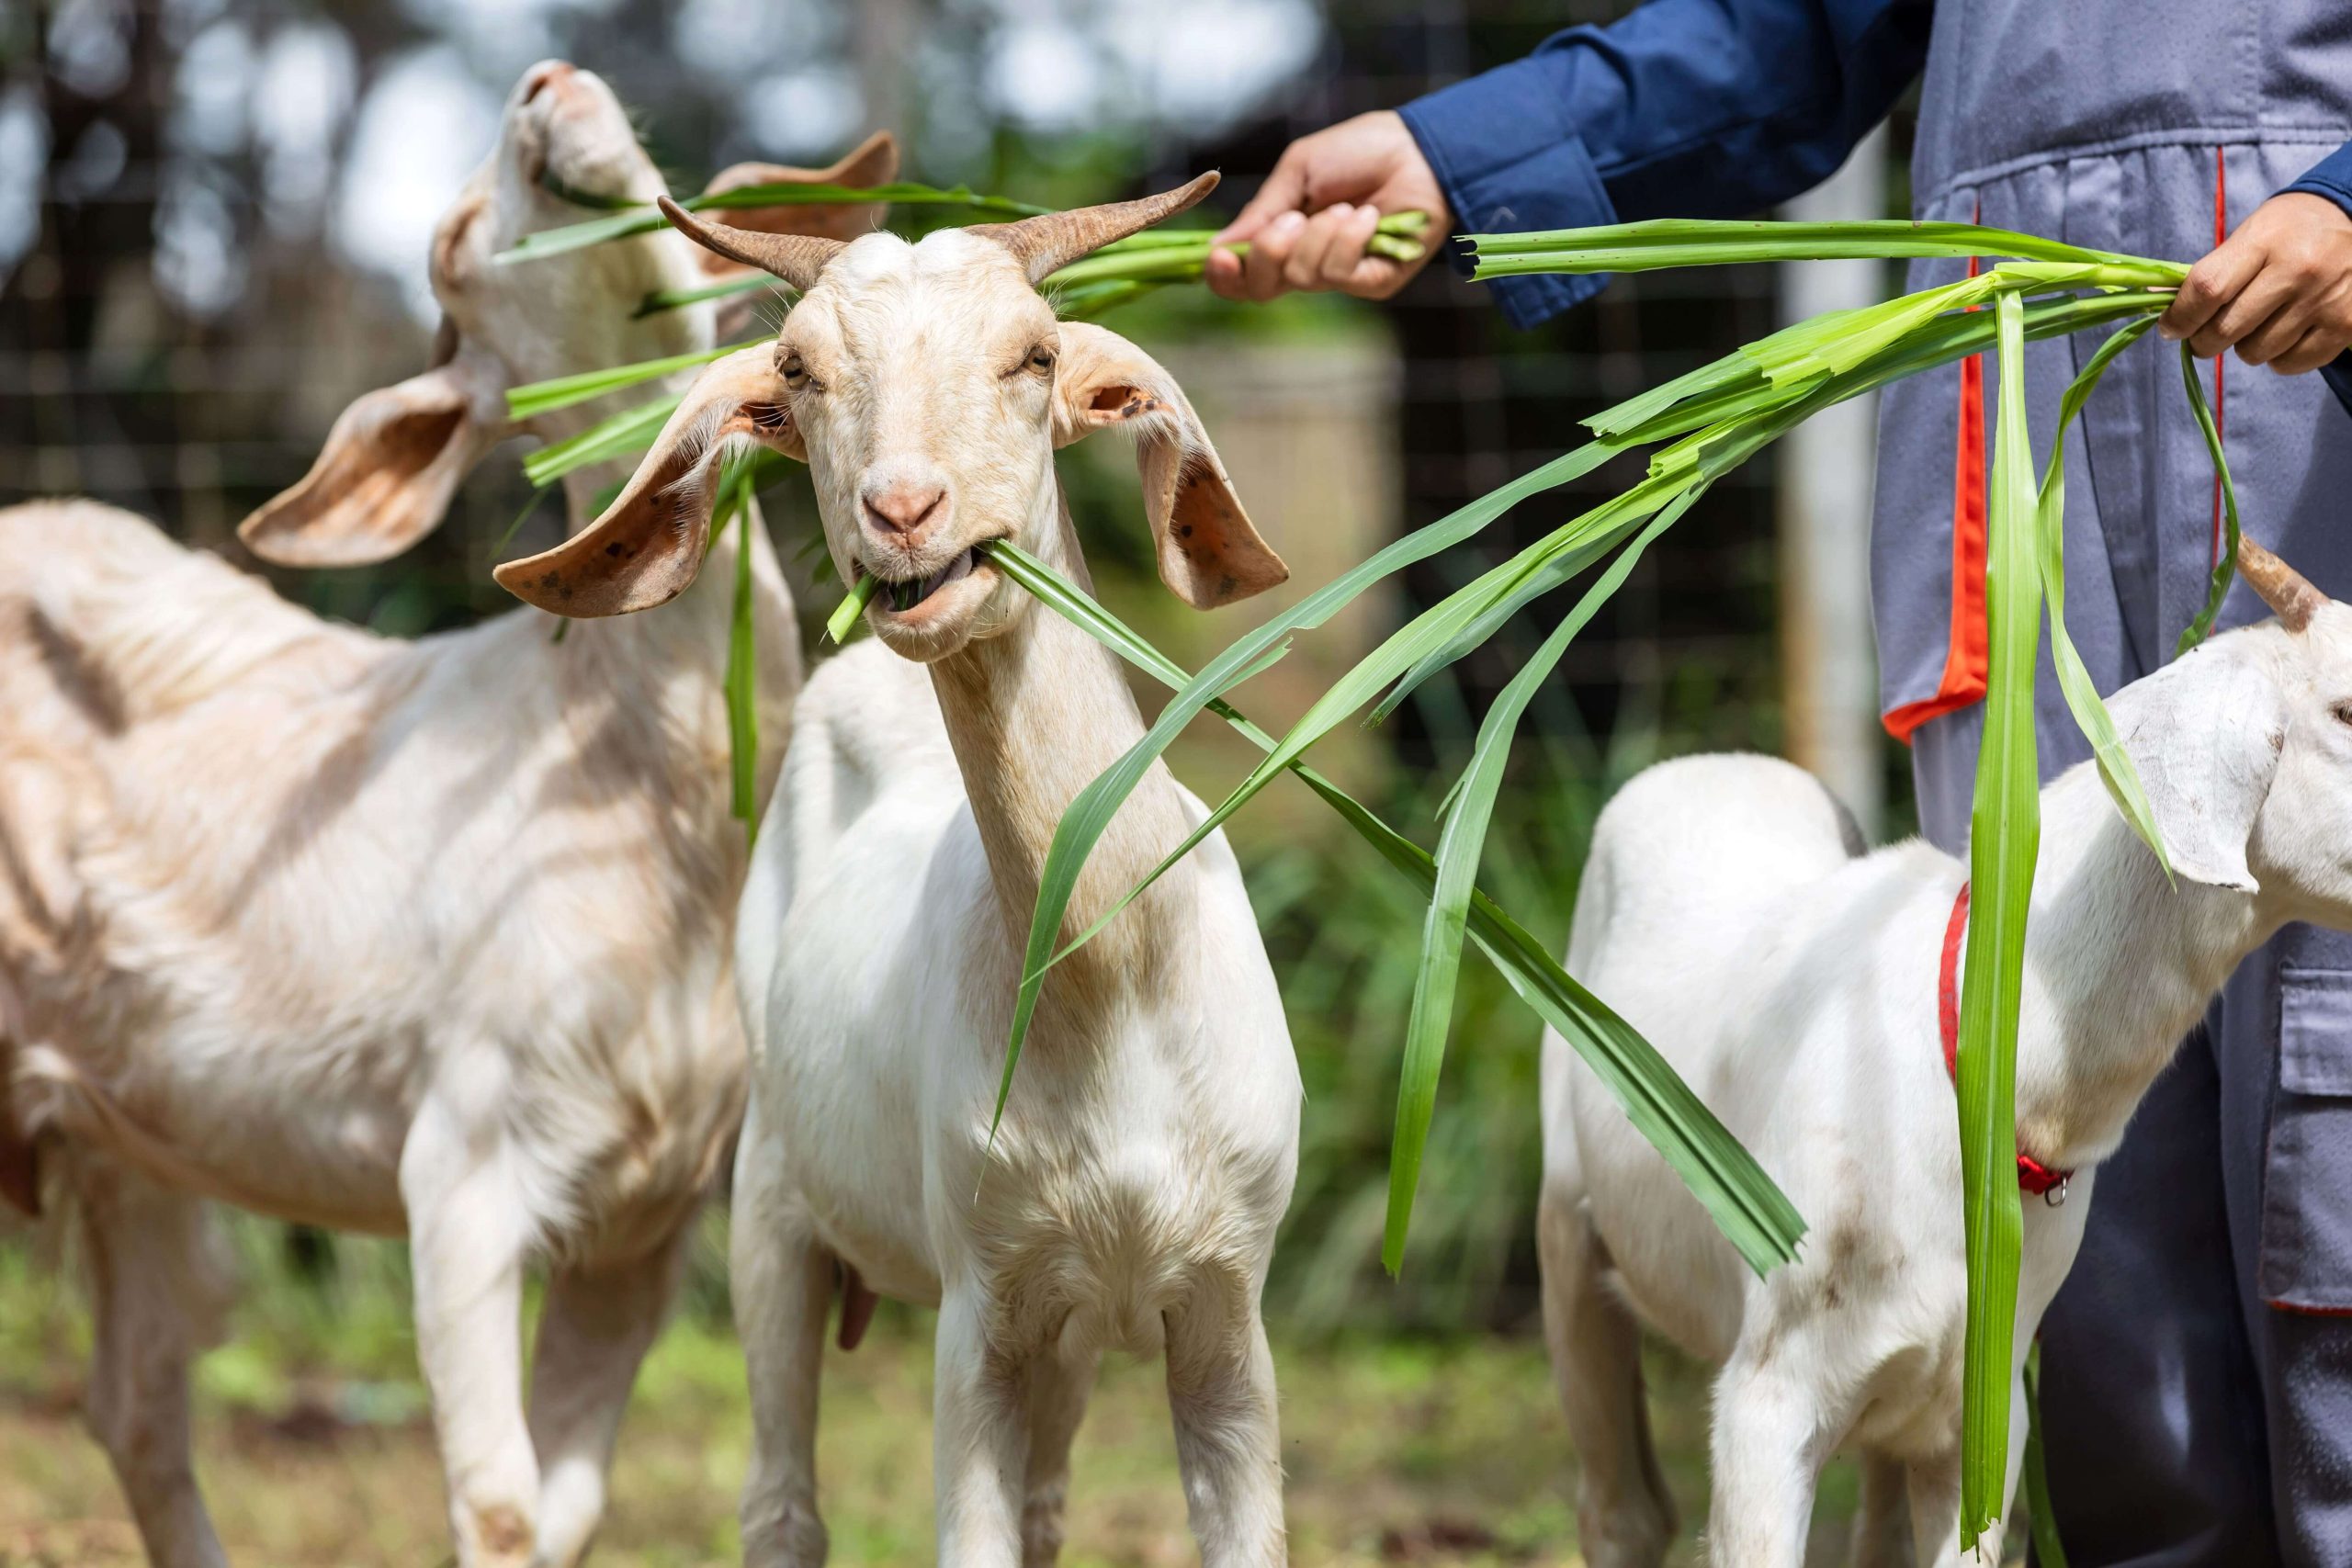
<point>1446,629</point>
<point>1459,849</point>
<point>1087,816</point>
<point>1667,242</point>
<point>545,397</point>
<point>2115,766</point>
<point>1434,628</point>
<point>742,668</point>
<point>2047,1553</point>
<point>852,609</point>
<point>2226,566</point>
<point>2004,829</point>
<point>1745,1202</point>
<point>619,435</point>
<point>663,300</point>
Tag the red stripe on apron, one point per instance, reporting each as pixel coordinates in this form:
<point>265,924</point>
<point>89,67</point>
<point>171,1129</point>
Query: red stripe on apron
<point>2221,233</point>
<point>1968,657</point>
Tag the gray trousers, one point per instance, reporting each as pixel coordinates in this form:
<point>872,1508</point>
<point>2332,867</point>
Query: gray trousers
<point>2197,1365</point>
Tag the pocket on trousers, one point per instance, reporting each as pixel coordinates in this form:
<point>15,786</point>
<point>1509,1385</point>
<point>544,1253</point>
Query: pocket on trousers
<point>2307,1166</point>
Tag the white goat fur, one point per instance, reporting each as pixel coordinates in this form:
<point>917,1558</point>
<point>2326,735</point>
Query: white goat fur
<point>1728,912</point>
<point>428,937</point>
<point>1129,1199</point>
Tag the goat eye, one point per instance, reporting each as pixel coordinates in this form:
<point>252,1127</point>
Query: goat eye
<point>795,373</point>
<point>2342,711</point>
<point>1041,360</point>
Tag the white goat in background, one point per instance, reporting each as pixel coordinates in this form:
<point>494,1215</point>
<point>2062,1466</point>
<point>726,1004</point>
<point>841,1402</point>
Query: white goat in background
<point>1729,912</point>
<point>427,937</point>
<point>1130,1198</point>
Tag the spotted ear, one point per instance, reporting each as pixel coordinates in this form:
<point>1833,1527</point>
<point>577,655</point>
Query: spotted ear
<point>390,467</point>
<point>874,163</point>
<point>648,547</point>
<point>1209,553</point>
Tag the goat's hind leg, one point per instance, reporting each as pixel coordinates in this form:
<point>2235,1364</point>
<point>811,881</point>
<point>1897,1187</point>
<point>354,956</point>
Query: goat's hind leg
<point>158,1287</point>
<point>1059,1382</point>
<point>782,1282</point>
<point>1229,1444</point>
<point>594,1331</point>
<point>1624,1513</point>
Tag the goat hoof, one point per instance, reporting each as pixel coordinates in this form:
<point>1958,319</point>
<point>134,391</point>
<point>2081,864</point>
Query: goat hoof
<point>499,1536</point>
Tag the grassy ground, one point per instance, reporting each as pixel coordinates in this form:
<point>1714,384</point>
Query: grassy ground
<point>314,1449</point>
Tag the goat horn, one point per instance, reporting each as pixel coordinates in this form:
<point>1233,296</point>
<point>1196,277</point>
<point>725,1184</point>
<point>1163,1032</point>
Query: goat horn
<point>1051,240</point>
<point>796,258</point>
<point>2286,591</point>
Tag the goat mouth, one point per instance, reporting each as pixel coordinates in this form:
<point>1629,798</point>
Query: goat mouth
<point>910,597</point>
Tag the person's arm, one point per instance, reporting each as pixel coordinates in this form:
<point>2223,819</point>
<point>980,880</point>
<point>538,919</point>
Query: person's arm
<point>1690,109</point>
<point>2279,289</point>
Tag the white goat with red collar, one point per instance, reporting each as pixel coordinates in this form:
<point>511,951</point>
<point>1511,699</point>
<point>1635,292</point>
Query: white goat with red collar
<point>1129,1200</point>
<point>1729,911</point>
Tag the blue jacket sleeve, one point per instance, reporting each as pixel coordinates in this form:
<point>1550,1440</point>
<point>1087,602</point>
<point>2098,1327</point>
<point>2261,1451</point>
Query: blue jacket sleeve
<point>1683,109</point>
<point>2332,177</point>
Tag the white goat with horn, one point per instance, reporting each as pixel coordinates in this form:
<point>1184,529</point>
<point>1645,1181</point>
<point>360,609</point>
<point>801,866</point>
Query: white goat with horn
<point>1130,1198</point>
<point>426,937</point>
<point>1729,912</point>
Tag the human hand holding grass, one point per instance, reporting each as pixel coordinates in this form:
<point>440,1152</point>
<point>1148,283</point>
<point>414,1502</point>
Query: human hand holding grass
<point>1310,224</point>
<point>2279,290</point>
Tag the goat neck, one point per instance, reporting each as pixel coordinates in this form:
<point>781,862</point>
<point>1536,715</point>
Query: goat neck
<point>1034,713</point>
<point>2120,966</point>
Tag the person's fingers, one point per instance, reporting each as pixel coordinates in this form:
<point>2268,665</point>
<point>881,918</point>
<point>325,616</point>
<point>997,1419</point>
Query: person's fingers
<point>2210,283</point>
<point>1343,259</point>
<point>1376,278</point>
<point>1262,269</point>
<point>1222,272</point>
<point>1284,191</point>
<point>2315,348</point>
<point>2281,331</point>
<point>1304,268</point>
<point>2255,302</point>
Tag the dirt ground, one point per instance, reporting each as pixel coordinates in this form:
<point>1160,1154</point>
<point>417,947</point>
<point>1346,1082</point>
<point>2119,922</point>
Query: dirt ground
<point>1417,1453</point>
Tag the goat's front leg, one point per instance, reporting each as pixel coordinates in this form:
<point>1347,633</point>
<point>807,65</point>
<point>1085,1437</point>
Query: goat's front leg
<point>469,1233</point>
<point>154,1282</point>
<point>1228,1442</point>
<point>979,1438</point>
<point>1624,1513</point>
<point>594,1331</point>
<point>1934,1488</point>
<point>1770,1439</point>
<point>782,1281</point>
<point>1059,1384</point>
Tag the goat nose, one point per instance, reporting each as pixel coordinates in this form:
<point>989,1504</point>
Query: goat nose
<point>902,508</point>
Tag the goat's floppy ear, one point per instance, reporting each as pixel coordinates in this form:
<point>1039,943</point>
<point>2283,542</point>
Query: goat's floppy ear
<point>647,547</point>
<point>1209,554</point>
<point>874,163</point>
<point>384,479</point>
<point>2205,733</point>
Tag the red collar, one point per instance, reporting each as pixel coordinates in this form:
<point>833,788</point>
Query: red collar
<point>2032,1175</point>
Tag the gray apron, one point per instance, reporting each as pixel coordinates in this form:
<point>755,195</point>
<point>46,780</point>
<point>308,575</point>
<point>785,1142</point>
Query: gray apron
<point>2197,1395</point>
